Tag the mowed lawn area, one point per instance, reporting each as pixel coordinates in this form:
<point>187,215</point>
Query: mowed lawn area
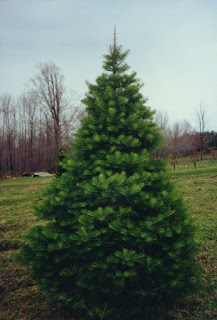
<point>19,297</point>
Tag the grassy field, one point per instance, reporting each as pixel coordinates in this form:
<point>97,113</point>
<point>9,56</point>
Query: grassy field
<point>19,297</point>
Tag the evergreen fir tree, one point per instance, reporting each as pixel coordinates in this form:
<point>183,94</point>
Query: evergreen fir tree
<point>118,238</point>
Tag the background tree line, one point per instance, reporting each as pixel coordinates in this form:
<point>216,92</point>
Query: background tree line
<point>34,126</point>
<point>181,139</point>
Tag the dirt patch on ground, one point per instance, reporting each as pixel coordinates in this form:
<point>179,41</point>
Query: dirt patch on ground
<point>9,245</point>
<point>215,176</point>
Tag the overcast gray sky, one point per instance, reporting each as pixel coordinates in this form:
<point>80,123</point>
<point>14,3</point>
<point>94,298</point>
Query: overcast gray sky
<point>173,47</point>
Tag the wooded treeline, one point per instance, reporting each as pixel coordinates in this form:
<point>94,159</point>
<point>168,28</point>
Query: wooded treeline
<point>181,139</point>
<point>34,126</point>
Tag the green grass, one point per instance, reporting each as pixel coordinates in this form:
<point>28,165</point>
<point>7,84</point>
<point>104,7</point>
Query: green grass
<point>19,297</point>
<point>199,189</point>
<point>17,198</point>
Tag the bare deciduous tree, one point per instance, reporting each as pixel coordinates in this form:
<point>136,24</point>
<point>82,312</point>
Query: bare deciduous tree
<point>175,135</point>
<point>28,121</point>
<point>8,133</point>
<point>194,158</point>
<point>201,115</point>
<point>162,121</point>
<point>48,87</point>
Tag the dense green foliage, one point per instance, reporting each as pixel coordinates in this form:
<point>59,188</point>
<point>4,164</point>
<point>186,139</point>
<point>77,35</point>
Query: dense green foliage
<point>61,157</point>
<point>118,237</point>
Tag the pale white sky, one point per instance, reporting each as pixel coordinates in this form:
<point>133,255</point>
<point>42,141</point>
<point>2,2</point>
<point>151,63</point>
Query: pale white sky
<point>173,47</point>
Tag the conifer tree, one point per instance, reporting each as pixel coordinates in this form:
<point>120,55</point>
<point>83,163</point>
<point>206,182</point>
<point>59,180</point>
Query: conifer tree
<point>118,238</point>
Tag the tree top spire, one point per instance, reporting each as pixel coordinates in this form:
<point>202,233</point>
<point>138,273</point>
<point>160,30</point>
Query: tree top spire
<point>115,38</point>
<point>115,59</point>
